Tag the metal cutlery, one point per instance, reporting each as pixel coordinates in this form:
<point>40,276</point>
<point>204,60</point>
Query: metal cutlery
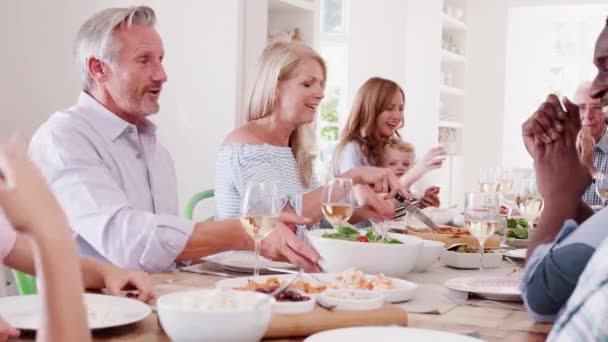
<point>281,270</point>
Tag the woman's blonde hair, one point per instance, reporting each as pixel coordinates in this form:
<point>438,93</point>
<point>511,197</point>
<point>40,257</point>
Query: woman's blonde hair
<point>371,100</point>
<point>278,61</point>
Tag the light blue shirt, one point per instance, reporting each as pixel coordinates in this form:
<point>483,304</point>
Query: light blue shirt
<point>239,164</point>
<point>116,184</point>
<point>553,270</point>
<point>600,160</point>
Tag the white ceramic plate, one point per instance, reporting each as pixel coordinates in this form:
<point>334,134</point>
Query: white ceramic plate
<point>470,260</point>
<point>386,334</point>
<point>243,262</point>
<point>519,254</point>
<point>24,312</point>
<point>403,291</point>
<point>496,288</point>
<point>294,307</point>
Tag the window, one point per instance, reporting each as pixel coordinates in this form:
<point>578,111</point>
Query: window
<point>334,51</point>
<point>549,50</point>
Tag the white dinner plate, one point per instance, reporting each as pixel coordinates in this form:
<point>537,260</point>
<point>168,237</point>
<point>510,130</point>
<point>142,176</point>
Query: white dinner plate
<point>386,334</point>
<point>519,254</point>
<point>243,262</point>
<point>403,291</point>
<point>495,288</point>
<point>25,312</point>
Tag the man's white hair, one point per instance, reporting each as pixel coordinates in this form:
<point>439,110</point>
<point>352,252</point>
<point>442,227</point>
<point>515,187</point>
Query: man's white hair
<point>95,37</point>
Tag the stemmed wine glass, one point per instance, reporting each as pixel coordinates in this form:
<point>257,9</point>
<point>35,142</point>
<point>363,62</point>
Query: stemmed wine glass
<point>489,179</point>
<point>506,180</point>
<point>529,201</point>
<point>259,214</point>
<point>601,187</point>
<point>338,201</point>
<point>481,216</point>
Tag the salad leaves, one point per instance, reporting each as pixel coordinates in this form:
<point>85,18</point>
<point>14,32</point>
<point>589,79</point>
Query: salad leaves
<point>352,234</point>
<point>517,229</point>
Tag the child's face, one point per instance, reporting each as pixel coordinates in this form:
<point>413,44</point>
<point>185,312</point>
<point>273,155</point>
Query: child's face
<point>399,162</point>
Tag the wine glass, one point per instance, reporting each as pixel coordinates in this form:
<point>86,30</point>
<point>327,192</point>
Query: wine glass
<point>481,217</point>
<point>601,187</point>
<point>338,201</point>
<point>489,179</point>
<point>529,201</point>
<point>259,214</point>
<point>506,180</point>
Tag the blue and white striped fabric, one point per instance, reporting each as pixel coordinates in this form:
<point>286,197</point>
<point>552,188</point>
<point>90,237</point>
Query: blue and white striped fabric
<point>600,160</point>
<point>585,317</point>
<point>239,164</point>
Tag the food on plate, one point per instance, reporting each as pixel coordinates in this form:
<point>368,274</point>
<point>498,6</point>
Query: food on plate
<point>517,229</point>
<point>273,283</point>
<point>468,249</point>
<point>451,235</point>
<point>351,279</point>
<point>350,233</point>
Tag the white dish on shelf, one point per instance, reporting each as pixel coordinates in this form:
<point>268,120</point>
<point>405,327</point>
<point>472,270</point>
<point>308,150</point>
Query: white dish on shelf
<point>25,312</point>
<point>243,262</point>
<point>351,300</point>
<point>386,334</point>
<point>495,288</point>
<point>403,291</point>
<point>470,260</point>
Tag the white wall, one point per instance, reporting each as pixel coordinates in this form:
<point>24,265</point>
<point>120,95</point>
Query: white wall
<point>198,104</point>
<point>376,42</point>
<point>485,71</point>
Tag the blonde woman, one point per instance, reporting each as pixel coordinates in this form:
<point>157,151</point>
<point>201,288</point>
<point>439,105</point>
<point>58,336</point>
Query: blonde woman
<point>376,115</point>
<point>277,144</point>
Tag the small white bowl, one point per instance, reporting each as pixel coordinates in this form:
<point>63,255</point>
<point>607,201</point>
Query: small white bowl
<point>439,215</point>
<point>294,307</point>
<point>202,315</point>
<point>351,300</point>
<point>429,253</point>
<point>470,260</point>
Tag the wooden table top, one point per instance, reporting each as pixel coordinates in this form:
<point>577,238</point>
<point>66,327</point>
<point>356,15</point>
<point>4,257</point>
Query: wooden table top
<point>502,322</point>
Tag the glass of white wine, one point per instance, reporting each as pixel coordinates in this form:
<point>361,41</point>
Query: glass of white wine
<point>529,201</point>
<point>481,217</point>
<point>601,187</point>
<point>259,214</point>
<point>338,201</point>
<point>489,179</point>
<point>506,180</point>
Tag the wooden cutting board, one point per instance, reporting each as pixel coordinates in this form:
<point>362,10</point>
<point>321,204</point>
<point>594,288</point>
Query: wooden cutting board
<point>296,325</point>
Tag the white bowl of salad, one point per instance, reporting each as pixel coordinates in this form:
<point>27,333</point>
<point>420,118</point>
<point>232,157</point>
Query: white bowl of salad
<point>348,247</point>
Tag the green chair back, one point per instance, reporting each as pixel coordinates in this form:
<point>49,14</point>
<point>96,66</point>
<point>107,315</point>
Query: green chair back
<point>26,284</point>
<point>189,209</point>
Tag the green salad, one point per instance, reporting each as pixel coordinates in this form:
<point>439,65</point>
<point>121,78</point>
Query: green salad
<point>517,229</point>
<point>352,234</point>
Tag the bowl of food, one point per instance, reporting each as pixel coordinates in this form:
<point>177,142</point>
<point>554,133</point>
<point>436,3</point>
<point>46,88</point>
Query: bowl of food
<point>215,315</point>
<point>466,257</point>
<point>429,253</point>
<point>347,299</point>
<point>348,247</point>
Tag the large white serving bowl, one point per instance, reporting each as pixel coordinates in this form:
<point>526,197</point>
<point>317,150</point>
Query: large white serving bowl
<point>393,260</point>
<point>429,253</point>
<point>184,321</point>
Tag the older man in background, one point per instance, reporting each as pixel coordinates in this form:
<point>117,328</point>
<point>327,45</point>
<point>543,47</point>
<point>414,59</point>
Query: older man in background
<point>592,140</point>
<point>111,175</point>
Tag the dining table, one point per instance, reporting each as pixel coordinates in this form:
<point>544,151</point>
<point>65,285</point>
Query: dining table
<point>488,319</point>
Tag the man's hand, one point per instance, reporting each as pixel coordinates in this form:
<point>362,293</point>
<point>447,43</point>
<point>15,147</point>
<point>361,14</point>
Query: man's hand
<point>6,331</point>
<point>584,147</point>
<point>137,283</point>
<point>283,244</point>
